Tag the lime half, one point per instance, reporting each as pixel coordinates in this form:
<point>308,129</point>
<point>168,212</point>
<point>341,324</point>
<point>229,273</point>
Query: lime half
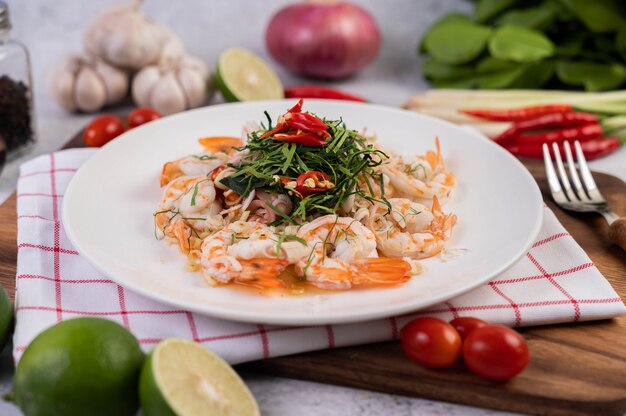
<point>182,378</point>
<point>243,76</point>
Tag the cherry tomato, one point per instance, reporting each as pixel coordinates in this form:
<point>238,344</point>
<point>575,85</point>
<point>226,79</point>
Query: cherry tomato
<point>431,342</point>
<point>141,116</point>
<point>466,324</point>
<point>102,130</point>
<point>495,352</point>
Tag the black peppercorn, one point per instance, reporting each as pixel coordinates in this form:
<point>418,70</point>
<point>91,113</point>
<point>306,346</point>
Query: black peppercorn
<point>15,113</point>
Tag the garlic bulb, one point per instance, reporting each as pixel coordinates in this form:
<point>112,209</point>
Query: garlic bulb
<point>124,36</point>
<point>85,84</point>
<point>174,85</point>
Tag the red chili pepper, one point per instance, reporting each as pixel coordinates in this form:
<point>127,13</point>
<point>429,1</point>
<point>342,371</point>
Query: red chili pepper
<point>592,149</point>
<point>544,122</point>
<point>306,122</point>
<point>315,91</point>
<point>217,171</point>
<point>303,138</point>
<point>298,107</point>
<point>581,133</point>
<point>519,114</point>
<point>312,182</point>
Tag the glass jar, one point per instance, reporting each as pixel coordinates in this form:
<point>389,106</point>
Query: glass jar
<point>17,126</point>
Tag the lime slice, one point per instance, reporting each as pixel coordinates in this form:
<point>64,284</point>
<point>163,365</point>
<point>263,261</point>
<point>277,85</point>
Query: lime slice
<point>243,76</point>
<point>182,378</point>
<point>82,366</point>
<point>6,317</point>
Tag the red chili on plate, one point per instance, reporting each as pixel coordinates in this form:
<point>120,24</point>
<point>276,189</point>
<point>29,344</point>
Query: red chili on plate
<point>313,182</point>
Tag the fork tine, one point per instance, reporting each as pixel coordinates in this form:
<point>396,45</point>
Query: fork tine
<point>590,184</point>
<point>573,173</point>
<point>553,180</point>
<point>567,188</point>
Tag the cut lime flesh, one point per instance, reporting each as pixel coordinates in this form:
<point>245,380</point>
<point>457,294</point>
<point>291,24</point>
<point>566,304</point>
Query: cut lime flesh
<point>243,76</point>
<point>182,378</point>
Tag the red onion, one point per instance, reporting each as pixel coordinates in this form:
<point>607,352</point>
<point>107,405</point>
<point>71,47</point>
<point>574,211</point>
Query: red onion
<point>323,39</point>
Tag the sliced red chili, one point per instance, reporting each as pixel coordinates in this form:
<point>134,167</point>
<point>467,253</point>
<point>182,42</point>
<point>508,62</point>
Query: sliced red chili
<point>303,138</point>
<point>216,172</point>
<point>519,114</point>
<point>280,127</point>
<point>312,182</point>
<point>306,122</point>
<point>298,107</point>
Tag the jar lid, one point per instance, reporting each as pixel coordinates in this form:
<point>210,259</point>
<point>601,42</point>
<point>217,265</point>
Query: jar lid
<point>5,23</point>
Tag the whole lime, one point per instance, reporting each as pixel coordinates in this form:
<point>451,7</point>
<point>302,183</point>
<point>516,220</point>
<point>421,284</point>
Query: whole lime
<point>83,366</point>
<point>6,317</point>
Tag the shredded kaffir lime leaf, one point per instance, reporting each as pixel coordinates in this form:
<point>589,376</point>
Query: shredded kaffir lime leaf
<point>346,157</point>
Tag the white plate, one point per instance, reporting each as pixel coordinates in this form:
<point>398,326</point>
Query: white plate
<point>107,214</point>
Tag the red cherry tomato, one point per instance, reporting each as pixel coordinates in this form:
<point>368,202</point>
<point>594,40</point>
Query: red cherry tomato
<point>466,324</point>
<point>102,130</point>
<point>495,352</point>
<point>141,116</point>
<point>431,342</point>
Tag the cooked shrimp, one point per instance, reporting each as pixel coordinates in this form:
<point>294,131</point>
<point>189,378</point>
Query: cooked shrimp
<point>343,254</point>
<point>188,208</point>
<point>411,229</point>
<point>192,165</point>
<point>421,177</point>
<point>248,253</point>
<point>220,144</point>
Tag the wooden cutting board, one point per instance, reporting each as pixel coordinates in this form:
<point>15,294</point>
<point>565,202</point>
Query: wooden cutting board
<point>575,369</point>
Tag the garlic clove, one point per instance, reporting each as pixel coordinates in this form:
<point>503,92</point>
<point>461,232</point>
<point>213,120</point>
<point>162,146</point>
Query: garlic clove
<point>89,91</point>
<point>61,82</point>
<point>167,95</point>
<point>197,65</point>
<point>143,83</point>
<point>173,48</point>
<point>193,85</point>
<point>115,82</point>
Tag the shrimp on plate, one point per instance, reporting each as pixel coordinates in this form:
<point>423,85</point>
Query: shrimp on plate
<point>411,229</point>
<point>420,177</point>
<point>247,253</point>
<point>343,254</point>
<point>189,208</point>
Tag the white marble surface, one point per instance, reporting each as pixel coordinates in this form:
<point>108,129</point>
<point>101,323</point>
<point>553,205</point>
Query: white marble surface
<point>50,28</point>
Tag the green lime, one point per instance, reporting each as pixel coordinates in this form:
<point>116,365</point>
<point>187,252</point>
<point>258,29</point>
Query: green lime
<point>83,366</point>
<point>243,76</point>
<point>182,378</point>
<point>6,317</point>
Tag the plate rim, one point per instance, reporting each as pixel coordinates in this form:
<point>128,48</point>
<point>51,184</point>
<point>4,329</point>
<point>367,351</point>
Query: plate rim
<point>359,316</point>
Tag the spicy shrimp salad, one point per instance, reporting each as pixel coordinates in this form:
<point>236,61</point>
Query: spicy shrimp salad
<point>309,197</point>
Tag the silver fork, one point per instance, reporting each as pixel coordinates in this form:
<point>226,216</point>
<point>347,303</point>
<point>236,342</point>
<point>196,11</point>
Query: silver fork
<point>579,192</point>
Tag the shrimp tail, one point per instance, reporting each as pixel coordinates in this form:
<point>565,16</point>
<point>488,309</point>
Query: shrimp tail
<point>262,272</point>
<point>182,233</point>
<point>435,159</point>
<point>442,224</point>
<point>170,172</point>
<point>220,144</point>
<point>380,271</point>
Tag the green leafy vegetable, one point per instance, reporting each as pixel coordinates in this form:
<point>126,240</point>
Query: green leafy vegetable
<point>597,15</point>
<point>520,44</point>
<point>539,17</point>
<point>457,42</point>
<point>594,76</point>
<point>347,158</point>
<point>486,9</point>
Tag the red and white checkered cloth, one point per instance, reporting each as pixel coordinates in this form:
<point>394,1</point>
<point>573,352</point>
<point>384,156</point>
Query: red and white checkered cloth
<point>554,282</point>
